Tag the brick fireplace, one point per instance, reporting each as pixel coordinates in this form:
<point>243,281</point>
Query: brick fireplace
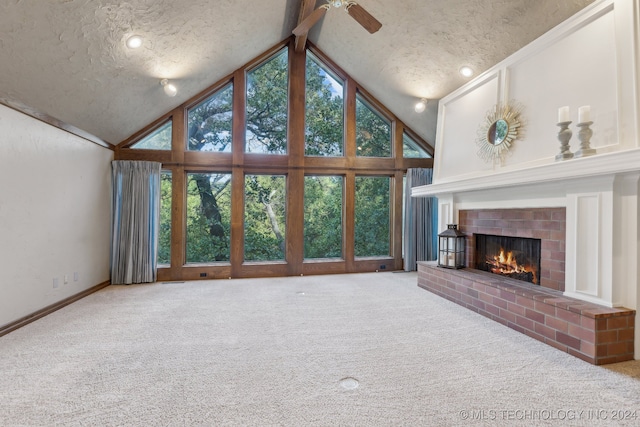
<point>546,224</point>
<point>586,214</point>
<point>594,333</point>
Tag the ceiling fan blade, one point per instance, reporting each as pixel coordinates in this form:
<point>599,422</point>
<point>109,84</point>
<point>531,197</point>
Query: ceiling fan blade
<point>363,17</point>
<point>309,21</point>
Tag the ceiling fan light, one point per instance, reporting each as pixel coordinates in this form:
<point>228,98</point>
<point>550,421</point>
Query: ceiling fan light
<point>466,71</point>
<point>421,105</point>
<point>169,88</point>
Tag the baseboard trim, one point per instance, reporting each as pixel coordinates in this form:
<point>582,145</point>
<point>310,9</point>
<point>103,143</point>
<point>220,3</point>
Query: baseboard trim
<point>10,327</point>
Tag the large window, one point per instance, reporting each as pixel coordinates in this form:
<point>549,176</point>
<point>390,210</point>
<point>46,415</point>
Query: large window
<point>373,131</point>
<point>208,217</point>
<point>267,101</point>
<point>309,187</point>
<point>210,122</point>
<point>372,218</point>
<point>158,139</point>
<point>164,235</point>
<point>324,114</point>
<point>264,217</point>
<point>323,216</point>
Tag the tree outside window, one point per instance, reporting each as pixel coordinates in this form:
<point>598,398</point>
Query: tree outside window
<point>372,216</point>
<point>208,217</point>
<point>264,217</point>
<point>267,102</point>
<point>323,216</point>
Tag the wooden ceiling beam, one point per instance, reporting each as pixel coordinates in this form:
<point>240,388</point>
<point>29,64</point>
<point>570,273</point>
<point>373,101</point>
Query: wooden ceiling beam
<point>306,7</point>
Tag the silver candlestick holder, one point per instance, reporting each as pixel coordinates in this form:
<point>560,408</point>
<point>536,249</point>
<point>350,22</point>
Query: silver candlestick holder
<point>584,135</point>
<point>564,135</point>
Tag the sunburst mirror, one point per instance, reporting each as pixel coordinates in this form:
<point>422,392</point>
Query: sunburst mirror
<point>498,131</point>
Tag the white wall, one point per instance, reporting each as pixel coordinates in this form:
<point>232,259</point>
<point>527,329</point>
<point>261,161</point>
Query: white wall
<point>54,214</point>
<point>591,59</point>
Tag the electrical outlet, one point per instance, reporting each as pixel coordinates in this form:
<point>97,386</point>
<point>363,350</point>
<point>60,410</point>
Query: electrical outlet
<point>203,274</point>
<point>66,279</point>
<point>55,283</point>
<point>75,276</point>
<point>383,267</point>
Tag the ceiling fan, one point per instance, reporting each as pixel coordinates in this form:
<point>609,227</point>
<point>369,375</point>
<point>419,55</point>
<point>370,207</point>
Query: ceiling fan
<point>354,10</point>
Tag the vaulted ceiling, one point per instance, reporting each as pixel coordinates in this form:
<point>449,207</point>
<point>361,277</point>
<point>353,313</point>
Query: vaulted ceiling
<point>67,58</point>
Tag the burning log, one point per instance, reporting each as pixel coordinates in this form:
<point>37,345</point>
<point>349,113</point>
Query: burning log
<point>507,265</point>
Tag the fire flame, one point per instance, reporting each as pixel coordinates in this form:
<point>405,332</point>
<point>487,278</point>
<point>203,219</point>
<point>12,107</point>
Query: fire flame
<point>507,264</point>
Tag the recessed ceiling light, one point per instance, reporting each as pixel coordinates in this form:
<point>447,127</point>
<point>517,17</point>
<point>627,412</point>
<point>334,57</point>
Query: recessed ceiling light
<point>466,71</point>
<point>134,42</point>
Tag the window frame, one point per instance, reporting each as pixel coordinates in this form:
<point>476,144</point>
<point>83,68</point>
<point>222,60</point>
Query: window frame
<point>295,165</point>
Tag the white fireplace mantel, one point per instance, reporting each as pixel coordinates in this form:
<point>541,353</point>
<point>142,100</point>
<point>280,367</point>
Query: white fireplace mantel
<point>601,195</point>
<point>587,167</point>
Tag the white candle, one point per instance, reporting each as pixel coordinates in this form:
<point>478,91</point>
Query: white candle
<point>563,114</point>
<point>584,114</point>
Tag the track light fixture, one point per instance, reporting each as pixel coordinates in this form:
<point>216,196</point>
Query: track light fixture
<point>421,105</point>
<point>169,88</point>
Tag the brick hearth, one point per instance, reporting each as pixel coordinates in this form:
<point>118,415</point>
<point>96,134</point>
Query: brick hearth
<point>594,333</point>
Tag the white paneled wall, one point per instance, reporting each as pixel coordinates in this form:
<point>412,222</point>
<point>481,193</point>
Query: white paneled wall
<point>587,60</point>
<point>591,59</point>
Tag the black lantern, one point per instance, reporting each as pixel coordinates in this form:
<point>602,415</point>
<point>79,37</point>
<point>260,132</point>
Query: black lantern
<point>452,247</point>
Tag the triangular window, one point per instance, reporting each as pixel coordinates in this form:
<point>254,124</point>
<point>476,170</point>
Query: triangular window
<point>411,149</point>
<point>158,139</point>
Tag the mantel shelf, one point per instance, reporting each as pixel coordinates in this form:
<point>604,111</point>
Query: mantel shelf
<point>597,165</point>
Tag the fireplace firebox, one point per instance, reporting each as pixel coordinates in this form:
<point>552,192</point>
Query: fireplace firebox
<point>513,257</point>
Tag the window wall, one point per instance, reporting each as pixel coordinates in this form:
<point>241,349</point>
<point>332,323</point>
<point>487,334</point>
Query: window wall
<point>287,167</point>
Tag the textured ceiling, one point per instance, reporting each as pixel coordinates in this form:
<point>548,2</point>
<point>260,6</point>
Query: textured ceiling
<point>67,58</point>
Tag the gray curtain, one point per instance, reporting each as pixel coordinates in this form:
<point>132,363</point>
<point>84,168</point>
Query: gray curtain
<point>135,214</point>
<point>420,221</point>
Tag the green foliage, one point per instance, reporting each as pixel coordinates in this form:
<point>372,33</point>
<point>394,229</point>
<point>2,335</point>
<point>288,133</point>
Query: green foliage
<point>159,139</point>
<point>208,217</point>
<point>324,115</point>
<point>323,216</point>
<point>373,132</point>
<point>267,101</point>
<point>372,219</point>
<point>208,208</point>
<point>164,235</point>
<point>210,122</point>
<point>264,223</point>
<point>411,149</point>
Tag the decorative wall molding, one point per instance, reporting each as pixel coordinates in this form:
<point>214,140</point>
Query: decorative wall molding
<point>604,74</point>
<point>598,165</point>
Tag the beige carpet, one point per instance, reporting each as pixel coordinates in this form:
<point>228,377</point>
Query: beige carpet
<point>366,349</point>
